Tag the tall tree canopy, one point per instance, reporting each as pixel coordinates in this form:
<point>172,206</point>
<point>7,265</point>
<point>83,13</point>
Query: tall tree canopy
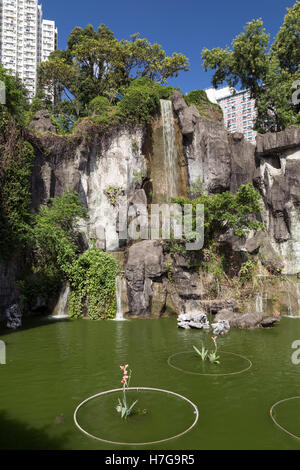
<point>269,72</point>
<point>95,63</point>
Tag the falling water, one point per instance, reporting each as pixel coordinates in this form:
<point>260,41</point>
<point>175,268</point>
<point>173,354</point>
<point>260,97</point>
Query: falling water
<point>119,314</point>
<point>290,309</point>
<point>259,303</point>
<point>62,307</point>
<point>170,150</point>
<point>291,313</point>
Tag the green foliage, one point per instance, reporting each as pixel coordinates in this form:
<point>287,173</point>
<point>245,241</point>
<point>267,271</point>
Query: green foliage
<point>96,64</point>
<point>136,105</point>
<point>170,272</point>
<point>140,101</point>
<point>93,281</point>
<point>55,234</point>
<point>16,96</point>
<point>34,285</point>
<point>205,354</point>
<point>268,72</point>
<point>195,190</point>
<point>228,211</point>
<point>16,162</point>
<point>134,146</point>
<point>205,107</point>
<point>138,176</point>
<point>247,271</point>
<point>99,106</point>
<point>56,258</point>
<point>114,193</point>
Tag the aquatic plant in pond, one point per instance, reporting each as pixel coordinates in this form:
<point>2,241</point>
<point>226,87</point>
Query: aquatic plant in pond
<point>123,408</point>
<point>205,354</point>
<point>213,357</point>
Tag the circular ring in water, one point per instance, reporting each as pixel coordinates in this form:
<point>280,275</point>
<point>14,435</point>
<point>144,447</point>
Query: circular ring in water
<point>276,422</point>
<point>210,375</point>
<point>138,389</point>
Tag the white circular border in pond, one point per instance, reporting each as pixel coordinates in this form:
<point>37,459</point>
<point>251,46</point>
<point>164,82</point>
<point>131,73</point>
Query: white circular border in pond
<point>210,375</point>
<point>196,411</point>
<point>279,425</point>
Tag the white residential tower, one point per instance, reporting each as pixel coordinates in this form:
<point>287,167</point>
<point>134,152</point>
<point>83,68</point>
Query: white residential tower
<point>25,39</point>
<point>238,109</point>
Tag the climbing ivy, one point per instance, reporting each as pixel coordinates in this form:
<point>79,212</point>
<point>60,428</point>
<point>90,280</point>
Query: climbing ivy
<point>93,283</point>
<point>16,163</point>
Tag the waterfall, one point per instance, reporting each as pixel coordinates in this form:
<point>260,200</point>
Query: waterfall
<point>170,150</point>
<point>294,314</point>
<point>119,314</point>
<point>290,309</point>
<point>259,303</point>
<point>61,309</point>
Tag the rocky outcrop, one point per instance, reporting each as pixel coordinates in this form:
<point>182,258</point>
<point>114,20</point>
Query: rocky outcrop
<point>238,320</point>
<point>13,316</point>
<point>159,285</point>
<point>278,180</point>
<point>195,321</point>
<point>145,265</point>
<point>220,160</point>
<point>105,170</point>
<point>42,123</point>
<point>276,142</point>
<point>128,165</point>
<point>224,161</point>
<point>221,327</point>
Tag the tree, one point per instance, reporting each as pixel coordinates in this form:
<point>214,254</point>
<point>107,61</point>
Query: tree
<point>55,233</point>
<point>95,63</point>
<point>226,211</point>
<point>16,95</point>
<point>268,73</point>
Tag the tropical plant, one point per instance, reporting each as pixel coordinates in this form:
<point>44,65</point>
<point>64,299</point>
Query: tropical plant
<point>96,64</point>
<point>123,408</point>
<point>205,354</point>
<point>212,356</point>
<point>226,211</point>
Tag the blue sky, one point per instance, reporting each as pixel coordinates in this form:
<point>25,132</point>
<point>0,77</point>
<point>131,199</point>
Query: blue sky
<point>186,26</point>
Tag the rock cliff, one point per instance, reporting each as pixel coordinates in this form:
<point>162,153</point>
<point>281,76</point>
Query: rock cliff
<point>130,166</point>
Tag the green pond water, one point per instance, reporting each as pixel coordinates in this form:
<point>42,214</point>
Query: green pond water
<point>52,366</point>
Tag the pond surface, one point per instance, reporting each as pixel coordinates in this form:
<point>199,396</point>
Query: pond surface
<point>52,366</point>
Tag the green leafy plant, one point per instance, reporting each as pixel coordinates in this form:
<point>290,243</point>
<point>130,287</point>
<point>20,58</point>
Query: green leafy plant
<point>205,354</point>
<point>247,271</point>
<point>114,193</point>
<point>195,189</point>
<point>212,356</point>
<point>268,71</point>
<point>222,212</point>
<point>123,408</point>
<point>138,176</point>
<point>134,146</point>
<point>205,107</point>
<point>93,284</point>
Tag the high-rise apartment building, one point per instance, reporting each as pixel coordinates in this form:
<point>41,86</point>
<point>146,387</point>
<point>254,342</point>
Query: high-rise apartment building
<point>238,108</point>
<point>25,39</point>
